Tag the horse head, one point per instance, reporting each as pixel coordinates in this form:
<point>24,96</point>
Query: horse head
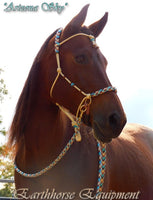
<point>82,62</point>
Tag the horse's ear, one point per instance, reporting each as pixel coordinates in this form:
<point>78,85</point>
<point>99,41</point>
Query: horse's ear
<point>75,24</point>
<point>98,26</point>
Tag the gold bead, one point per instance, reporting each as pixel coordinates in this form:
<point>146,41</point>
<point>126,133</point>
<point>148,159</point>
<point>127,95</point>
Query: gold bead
<point>59,70</point>
<point>88,96</point>
<point>78,137</point>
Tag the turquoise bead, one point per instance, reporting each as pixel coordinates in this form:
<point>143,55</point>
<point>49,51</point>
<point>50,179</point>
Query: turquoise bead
<point>92,94</point>
<point>57,43</point>
<point>101,184</point>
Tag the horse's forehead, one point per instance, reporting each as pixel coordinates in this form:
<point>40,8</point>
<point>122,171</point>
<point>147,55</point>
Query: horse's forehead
<point>73,31</point>
<point>81,42</point>
<point>85,30</point>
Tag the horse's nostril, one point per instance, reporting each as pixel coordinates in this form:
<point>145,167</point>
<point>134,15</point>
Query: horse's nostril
<point>114,120</point>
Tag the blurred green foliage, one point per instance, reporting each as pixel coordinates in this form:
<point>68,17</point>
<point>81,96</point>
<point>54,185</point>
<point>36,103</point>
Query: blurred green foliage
<point>6,165</point>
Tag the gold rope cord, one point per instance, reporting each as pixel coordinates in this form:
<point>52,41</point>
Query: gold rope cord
<point>86,101</point>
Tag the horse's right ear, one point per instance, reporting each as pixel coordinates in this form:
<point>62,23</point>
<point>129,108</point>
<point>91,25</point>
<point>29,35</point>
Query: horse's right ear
<point>75,24</point>
<point>98,26</point>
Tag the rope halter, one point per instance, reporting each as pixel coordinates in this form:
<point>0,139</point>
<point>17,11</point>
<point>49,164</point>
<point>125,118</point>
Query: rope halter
<point>86,101</point>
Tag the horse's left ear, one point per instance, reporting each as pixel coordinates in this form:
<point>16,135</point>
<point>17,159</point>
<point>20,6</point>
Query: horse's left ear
<point>98,26</point>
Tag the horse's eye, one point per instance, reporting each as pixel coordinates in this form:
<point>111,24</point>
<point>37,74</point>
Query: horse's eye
<point>81,59</point>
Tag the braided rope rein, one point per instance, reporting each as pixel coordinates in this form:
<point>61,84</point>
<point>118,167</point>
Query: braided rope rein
<point>76,121</point>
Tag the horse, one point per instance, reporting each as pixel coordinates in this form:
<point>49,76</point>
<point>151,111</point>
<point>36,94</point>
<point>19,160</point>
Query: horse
<point>67,116</point>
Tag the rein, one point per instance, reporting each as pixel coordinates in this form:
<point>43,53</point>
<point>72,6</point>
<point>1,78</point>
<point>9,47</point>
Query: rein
<point>76,120</point>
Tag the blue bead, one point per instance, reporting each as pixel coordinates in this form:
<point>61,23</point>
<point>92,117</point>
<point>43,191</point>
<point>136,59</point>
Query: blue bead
<point>57,36</point>
<point>57,43</point>
<point>57,51</point>
<point>92,94</point>
<point>104,150</point>
<point>72,84</point>
<point>104,158</point>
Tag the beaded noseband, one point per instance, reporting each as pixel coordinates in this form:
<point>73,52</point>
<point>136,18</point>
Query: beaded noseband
<point>76,121</point>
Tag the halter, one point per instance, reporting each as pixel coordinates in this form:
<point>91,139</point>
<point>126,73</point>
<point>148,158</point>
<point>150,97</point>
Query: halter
<point>76,121</point>
<point>86,101</point>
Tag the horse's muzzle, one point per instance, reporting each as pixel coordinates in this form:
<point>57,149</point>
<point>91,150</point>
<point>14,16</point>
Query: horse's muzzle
<point>107,128</point>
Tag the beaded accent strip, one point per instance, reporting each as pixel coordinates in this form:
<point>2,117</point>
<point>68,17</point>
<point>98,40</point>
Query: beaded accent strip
<point>102,166</point>
<point>102,91</point>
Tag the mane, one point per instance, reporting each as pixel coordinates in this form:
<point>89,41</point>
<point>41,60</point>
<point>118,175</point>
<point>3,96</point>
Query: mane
<point>20,119</point>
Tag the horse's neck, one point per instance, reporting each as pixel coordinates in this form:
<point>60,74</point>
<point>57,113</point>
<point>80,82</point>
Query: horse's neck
<point>46,135</point>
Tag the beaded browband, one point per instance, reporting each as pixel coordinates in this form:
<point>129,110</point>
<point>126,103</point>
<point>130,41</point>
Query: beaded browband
<point>76,121</point>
